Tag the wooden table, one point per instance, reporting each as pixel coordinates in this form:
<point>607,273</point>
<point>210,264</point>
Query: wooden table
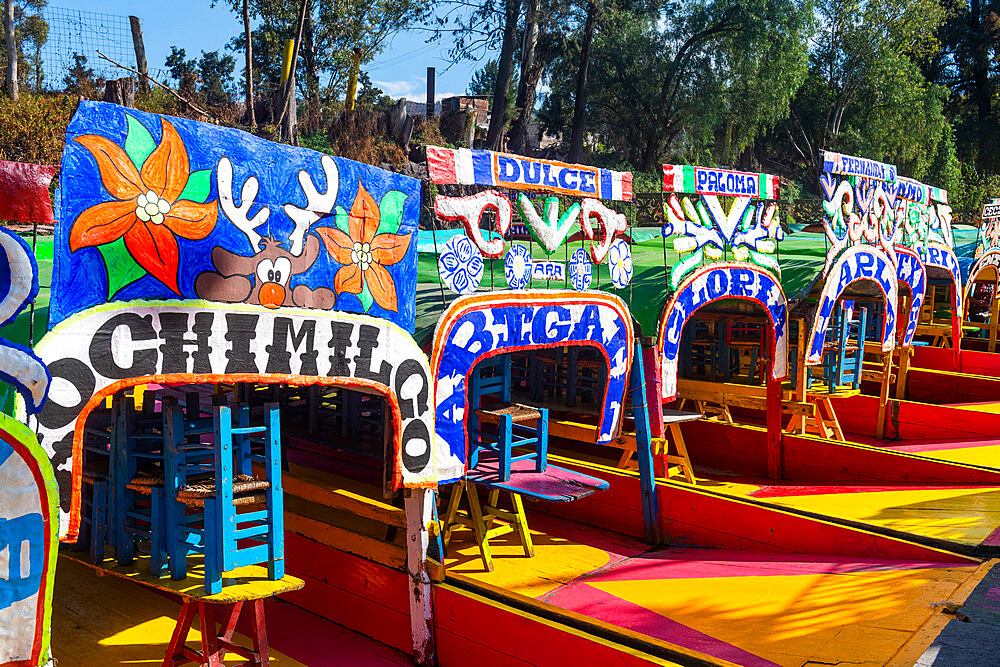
<point>242,585</point>
<point>672,420</point>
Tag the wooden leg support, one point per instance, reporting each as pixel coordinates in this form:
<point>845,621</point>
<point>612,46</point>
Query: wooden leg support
<point>216,641</point>
<point>480,519</point>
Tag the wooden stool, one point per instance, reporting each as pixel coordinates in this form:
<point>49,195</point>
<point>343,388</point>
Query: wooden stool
<point>480,519</point>
<point>824,422</point>
<point>680,460</point>
<point>216,641</point>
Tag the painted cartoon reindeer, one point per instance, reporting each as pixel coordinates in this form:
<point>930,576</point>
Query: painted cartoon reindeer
<point>264,277</point>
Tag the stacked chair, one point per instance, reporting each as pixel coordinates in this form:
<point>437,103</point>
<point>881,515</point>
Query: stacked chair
<point>182,481</point>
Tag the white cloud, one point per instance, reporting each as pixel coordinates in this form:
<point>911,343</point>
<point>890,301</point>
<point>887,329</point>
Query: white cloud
<point>408,88</point>
<point>414,88</point>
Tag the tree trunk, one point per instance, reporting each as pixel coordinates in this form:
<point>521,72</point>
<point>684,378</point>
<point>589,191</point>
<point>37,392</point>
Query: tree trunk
<point>519,134</point>
<point>312,77</point>
<point>11,51</point>
<point>980,62</point>
<point>505,71</point>
<point>580,103</point>
<point>285,112</point>
<point>120,91</point>
<point>526,86</point>
<point>250,116</point>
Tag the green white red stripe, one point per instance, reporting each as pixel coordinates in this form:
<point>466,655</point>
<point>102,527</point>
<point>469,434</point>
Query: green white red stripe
<point>688,179</point>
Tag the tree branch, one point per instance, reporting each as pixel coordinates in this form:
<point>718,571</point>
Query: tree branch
<point>161,85</point>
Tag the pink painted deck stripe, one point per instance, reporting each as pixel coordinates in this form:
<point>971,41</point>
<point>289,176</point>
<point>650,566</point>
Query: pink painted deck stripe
<point>682,563</point>
<point>993,539</point>
<point>917,446</point>
<point>611,609</point>
<point>788,491</point>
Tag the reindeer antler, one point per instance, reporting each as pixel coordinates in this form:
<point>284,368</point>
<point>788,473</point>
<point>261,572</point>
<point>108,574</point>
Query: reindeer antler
<point>238,214</point>
<point>317,204</point>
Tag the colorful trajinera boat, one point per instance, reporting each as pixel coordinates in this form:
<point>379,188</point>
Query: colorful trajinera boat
<point>312,404</point>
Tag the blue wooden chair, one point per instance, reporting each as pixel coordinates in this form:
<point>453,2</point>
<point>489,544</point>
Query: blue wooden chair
<point>227,537</point>
<point>843,353</point>
<point>95,516</point>
<point>137,501</point>
<point>492,378</point>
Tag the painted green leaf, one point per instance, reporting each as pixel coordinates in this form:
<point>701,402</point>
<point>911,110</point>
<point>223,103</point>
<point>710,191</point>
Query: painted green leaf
<point>122,270</point>
<point>198,186</point>
<point>340,218</point>
<point>138,142</point>
<point>366,298</point>
<point>391,209</point>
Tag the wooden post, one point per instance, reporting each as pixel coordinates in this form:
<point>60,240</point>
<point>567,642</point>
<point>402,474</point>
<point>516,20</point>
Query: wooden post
<point>644,448</point>
<point>11,51</point>
<point>904,368</point>
<point>419,507</point>
<point>140,54</point>
<point>994,313</point>
<point>654,394</point>
<point>430,92</point>
<point>883,400</point>
<point>120,91</point>
<point>352,81</point>
<point>775,456</point>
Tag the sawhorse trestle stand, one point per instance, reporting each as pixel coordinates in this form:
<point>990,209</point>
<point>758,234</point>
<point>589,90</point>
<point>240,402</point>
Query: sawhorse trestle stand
<point>217,640</point>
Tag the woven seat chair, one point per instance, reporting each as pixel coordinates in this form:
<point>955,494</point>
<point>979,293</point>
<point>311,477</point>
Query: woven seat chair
<point>137,496</point>
<point>493,377</point>
<point>210,481</point>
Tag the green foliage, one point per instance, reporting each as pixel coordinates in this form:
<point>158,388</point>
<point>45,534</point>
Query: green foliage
<point>79,80</point>
<point>484,79</point>
<point>332,30</point>
<point>33,129</point>
<point>213,72</point>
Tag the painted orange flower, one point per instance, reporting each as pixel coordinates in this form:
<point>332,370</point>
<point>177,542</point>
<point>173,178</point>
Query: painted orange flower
<point>146,209</point>
<point>365,253</point>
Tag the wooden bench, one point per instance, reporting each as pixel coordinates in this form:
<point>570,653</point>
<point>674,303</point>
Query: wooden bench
<point>243,585</point>
<point>719,397</point>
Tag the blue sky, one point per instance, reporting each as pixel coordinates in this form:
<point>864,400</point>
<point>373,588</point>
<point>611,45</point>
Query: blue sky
<point>196,26</point>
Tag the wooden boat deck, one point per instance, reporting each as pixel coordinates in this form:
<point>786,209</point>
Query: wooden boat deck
<point>108,620</point>
<point>748,608</point>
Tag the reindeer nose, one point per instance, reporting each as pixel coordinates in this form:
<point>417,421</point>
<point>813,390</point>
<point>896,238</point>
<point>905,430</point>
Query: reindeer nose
<point>272,295</point>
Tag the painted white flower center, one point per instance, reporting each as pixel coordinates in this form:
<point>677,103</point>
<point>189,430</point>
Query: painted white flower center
<point>362,255</point>
<point>150,207</point>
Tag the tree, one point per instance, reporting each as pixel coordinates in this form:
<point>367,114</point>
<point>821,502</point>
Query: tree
<point>243,7</point>
<point>331,30</point>
<point>79,79</point>
<point>371,97</point>
<point>178,65</point>
<point>651,80</point>
<point>30,33</point>
<point>216,74</point>
<point>580,96</point>
<point>863,69</point>
<point>483,79</point>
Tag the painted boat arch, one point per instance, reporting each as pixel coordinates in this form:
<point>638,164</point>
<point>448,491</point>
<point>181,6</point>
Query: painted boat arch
<point>104,349</point>
<point>987,262</point>
<point>28,508</point>
<point>942,257</point>
<point>858,263</point>
<point>728,280</point>
<point>910,271</point>
<point>479,326</point>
